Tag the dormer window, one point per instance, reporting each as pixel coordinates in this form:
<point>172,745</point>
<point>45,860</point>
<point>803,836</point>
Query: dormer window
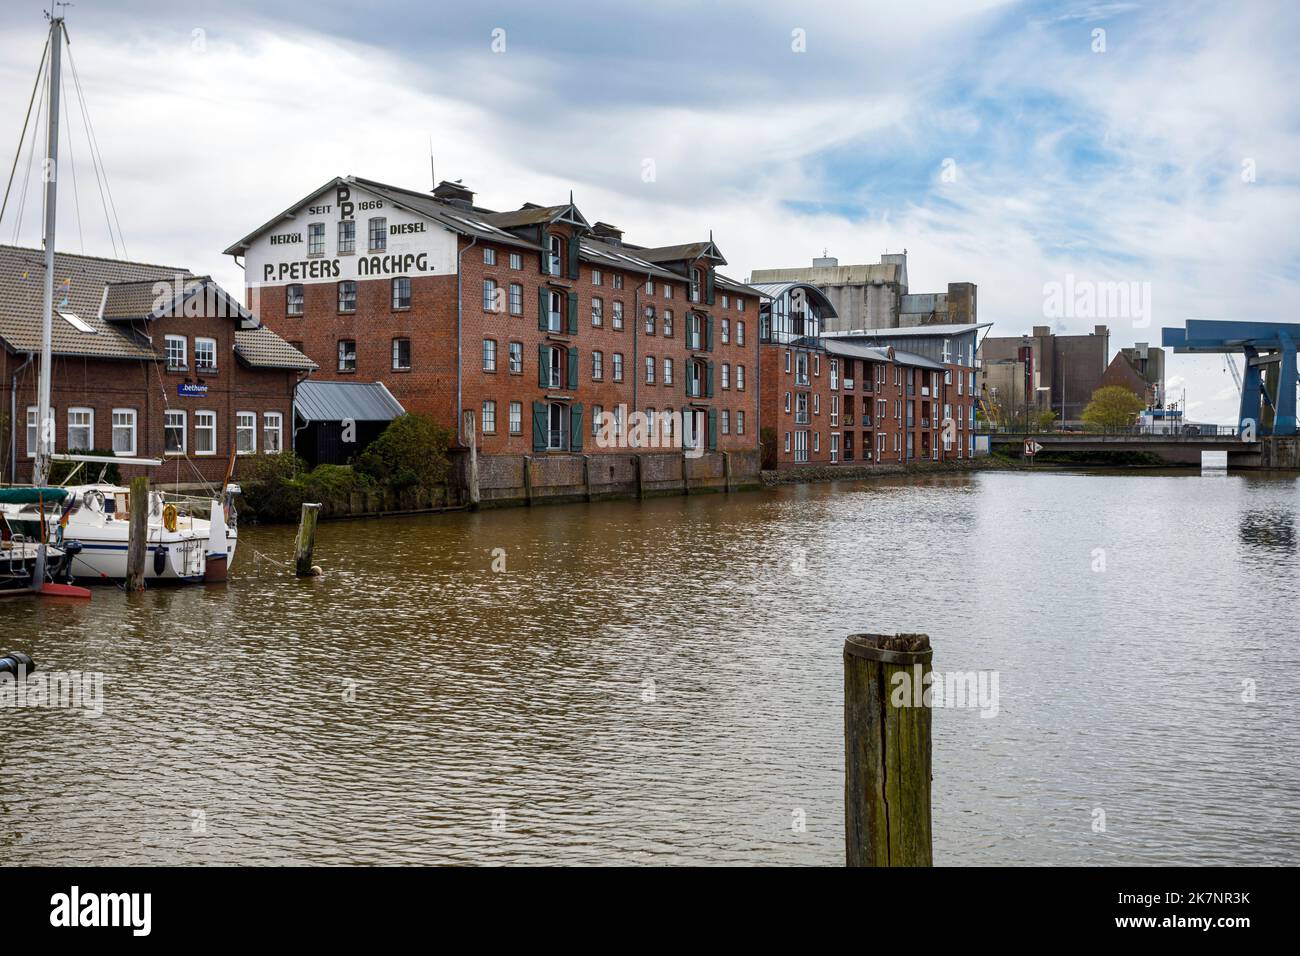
<point>695,285</point>
<point>176,350</point>
<point>556,250</point>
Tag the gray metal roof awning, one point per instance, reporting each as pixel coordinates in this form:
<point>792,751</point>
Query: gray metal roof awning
<point>317,401</point>
<point>874,353</point>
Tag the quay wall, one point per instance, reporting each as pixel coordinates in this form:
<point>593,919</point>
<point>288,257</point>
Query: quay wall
<point>552,478</point>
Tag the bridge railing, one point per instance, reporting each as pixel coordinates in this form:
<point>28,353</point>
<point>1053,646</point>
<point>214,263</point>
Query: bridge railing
<point>1144,431</point>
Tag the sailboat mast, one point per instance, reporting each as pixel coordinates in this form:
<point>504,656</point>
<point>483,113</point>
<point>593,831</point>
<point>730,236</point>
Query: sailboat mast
<point>44,418</point>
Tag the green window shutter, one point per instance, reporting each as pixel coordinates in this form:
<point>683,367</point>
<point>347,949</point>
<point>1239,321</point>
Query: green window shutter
<point>573,313</point>
<point>713,429</point>
<point>686,377</point>
<point>543,307</point>
<point>573,368</point>
<point>575,427</point>
<point>546,253</point>
<point>708,333</point>
<point>708,382</point>
<point>709,286</point>
<point>544,366</point>
<point>539,426</point>
<point>575,249</point>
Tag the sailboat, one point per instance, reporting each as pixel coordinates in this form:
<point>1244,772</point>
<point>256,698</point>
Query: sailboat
<point>31,563</point>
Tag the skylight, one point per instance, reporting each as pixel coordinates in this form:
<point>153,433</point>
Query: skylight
<point>76,322</point>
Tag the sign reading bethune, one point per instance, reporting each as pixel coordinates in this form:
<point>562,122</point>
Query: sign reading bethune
<point>349,233</point>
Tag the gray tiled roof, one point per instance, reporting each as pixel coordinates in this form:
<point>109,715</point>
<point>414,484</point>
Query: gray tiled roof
<point>114,299</point>
<point>79,284</point>
<point>141,299</point>
<point>262,348</point>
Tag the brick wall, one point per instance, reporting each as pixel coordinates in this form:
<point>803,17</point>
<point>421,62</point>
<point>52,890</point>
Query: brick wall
<point>429,387</point>
<point>103,385</point>
<point>858,441</point>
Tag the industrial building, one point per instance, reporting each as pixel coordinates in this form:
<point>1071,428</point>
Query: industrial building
<point>1022,375</point>
<point>876,295</point>
<point>553,332</point>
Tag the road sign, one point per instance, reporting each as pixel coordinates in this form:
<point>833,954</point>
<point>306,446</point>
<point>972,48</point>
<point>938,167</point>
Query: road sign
<point>1032,448</point>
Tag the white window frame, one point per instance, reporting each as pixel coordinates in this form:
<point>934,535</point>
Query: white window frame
<point>199,416</point>
<point>168,351</point>
<point>167,413</point>
<point>250,428</point>
<point>135,421</point>
<point>278,429</point>
<point>199,366</point>
<point>90,425</point>
<point>33,429</point>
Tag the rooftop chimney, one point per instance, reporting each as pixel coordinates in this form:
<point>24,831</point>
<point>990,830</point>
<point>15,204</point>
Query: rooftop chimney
<point>454,194</point>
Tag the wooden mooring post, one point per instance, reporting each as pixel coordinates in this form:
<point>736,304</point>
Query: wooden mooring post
<point>306,541</point>
<point>887,750</point>
<point>137,542</point>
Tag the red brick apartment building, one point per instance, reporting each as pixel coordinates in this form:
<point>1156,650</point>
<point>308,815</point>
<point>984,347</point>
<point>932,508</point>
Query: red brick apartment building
<point>862,397</point>
<point>148,361</point>
<point>533,319</point>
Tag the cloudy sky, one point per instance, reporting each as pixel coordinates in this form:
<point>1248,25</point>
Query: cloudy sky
<point>1009,144</point>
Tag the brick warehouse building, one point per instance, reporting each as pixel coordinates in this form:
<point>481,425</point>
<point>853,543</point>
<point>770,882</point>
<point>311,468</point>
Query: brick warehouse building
<point>535,320</point>
<point>149,361</point>
<point>862,397</point>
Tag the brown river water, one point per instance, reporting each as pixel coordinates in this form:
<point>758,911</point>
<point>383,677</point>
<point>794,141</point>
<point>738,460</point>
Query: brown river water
<point>661,682</point>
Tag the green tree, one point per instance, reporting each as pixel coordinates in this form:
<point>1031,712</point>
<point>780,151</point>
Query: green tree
<point>1045,419</point>
<point>411,452</point>
<point>1113,407</point>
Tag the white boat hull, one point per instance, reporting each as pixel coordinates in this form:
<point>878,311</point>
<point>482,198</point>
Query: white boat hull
<point>180,555</point>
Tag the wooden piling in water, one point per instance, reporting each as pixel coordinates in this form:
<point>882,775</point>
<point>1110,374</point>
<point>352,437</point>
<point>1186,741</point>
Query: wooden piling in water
<point>306,540</point>
<point>887,757</point>
<point>137,546</point>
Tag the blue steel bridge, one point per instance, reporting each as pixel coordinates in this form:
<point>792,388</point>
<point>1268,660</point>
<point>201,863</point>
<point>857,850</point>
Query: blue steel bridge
<point>1268,385</point>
